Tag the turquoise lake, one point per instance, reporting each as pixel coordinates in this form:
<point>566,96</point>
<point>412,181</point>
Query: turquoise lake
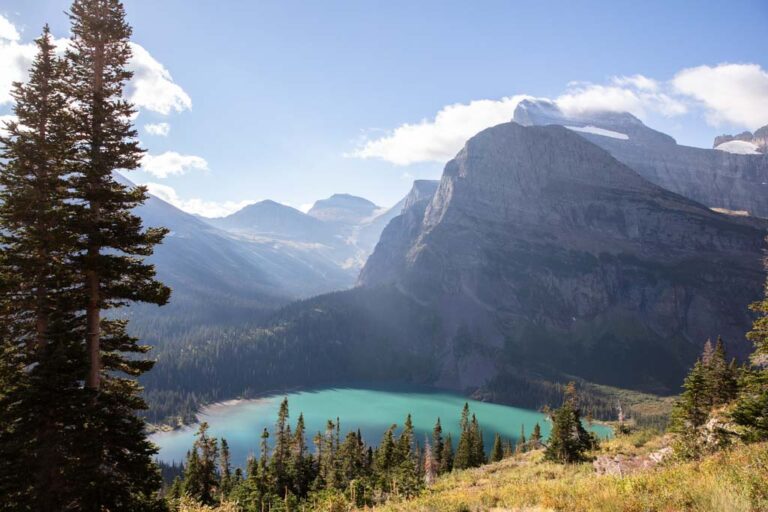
<point>370,410</point>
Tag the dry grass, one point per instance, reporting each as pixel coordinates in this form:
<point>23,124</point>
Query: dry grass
<point>733,481</point>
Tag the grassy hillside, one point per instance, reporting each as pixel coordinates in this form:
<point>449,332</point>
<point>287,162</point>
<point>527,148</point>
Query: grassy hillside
<point>735,480</point>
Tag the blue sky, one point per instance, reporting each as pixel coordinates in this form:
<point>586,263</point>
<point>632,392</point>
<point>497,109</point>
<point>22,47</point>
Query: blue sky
<point>278,99</point>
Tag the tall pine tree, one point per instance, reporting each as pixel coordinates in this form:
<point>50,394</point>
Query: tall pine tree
<point>119,473</point>
<point>40,401</point>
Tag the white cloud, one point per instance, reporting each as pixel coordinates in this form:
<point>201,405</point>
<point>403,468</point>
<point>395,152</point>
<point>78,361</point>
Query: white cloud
<point>637,94</point>
<point>638,81</point>
<point>171,163</point>
<point>306,207</point>
<point>15,60</point>
<point>733,93</point>
<point>440,138</point>
<point>8,30</point>
<point>152,86</point>
<point>160,129</point>
<point>195,205</point>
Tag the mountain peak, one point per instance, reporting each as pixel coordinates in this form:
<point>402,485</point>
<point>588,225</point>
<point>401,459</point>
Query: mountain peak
<point>593,123</point>
<point>343,208</point>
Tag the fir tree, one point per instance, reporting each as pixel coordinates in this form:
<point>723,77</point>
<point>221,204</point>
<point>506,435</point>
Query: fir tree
<point>405,441</point>
<point>536,436</point>
<point>463,457</point>
<point>497,452</point>
<point>437,444</point>
<point>568,440</point>
<point>40,400</point>
<point>225,471</point>
<point>751,407</point>
<point>446,458</point>
<point>200,477</point>
<point>710,384</point>
<point>476,443</point>
<point>117,472</point>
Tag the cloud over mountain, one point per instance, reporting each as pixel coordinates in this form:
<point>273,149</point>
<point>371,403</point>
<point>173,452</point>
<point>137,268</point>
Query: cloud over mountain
<point>732,93</point>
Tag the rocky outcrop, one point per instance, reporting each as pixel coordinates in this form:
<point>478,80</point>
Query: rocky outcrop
<point>623,465</point>
<point>540,250</point>
<point>718,179</point>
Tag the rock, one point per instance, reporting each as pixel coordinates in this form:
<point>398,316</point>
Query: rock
<point>623,465</point>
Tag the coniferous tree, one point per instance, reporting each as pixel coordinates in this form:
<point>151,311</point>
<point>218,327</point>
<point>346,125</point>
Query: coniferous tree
<point>225,471</point>
<point>497,452</point>
<point>464,451</point>
<point>40,400</point>
<point>536,436</point>
<point>446,458</point>
<point>117,471</point>
<point>711,383</point>
<point>437,444</point>
<point>476,444</point>
<point>751,408</point>
<point>282,449</point>
<point>201,478</point>
<point>568,440</point>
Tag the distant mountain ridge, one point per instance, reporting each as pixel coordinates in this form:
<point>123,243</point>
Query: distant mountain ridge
<point>339,232</point>
<point>718,179</point>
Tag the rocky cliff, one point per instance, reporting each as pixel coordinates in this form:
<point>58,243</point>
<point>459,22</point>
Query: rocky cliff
<point>718,179</point>
<point>539,250</point>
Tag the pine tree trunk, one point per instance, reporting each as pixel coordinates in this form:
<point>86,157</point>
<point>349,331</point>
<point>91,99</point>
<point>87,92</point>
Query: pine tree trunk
<point>93,318</point>
<point>93,311</point>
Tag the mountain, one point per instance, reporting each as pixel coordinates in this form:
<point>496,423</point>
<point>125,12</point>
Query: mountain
<point>343,209</point>
<point>336,236</point>
<point>270,218</point>
<point>718,179</point>
<point>538,259</point>
<point>540,249</point>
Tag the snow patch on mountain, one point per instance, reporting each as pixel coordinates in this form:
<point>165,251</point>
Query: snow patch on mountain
<point>739,147</point>
<point>599,131</point>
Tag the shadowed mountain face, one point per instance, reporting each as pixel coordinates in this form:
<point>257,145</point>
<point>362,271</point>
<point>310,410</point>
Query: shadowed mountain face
<point>718,179</point>
<point>539,249</point>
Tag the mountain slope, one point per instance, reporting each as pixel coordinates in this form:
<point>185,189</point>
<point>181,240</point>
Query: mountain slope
<point>539,248</point>
<point>717,179</point>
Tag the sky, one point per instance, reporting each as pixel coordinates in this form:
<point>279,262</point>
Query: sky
<point>244,100</point>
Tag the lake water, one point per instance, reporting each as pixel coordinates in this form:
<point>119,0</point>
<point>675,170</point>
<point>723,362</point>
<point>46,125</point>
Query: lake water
<point>370,410</point>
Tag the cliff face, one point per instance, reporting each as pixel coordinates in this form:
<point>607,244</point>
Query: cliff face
<point>718,179</point>
<point>541,251</point>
